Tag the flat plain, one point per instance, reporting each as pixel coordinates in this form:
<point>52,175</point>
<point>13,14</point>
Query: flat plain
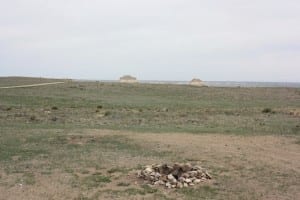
<point>86,140</point>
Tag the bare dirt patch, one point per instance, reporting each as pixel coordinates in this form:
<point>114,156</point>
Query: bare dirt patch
<point>102,164</point>
<point>266,165</point>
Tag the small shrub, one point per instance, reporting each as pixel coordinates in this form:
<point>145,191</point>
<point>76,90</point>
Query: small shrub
<point>99,107</point>
<point>29,179</point>
<point>107,113</point>
<point>149,189</point>
<point>54,108</point>
<point>134,191</point>
<point>267,110</point>
<point>117,169</point>
<point>32,118</point>
<point>8,108</point>
<point>122,184</point>
<point>84,171</point>
<point>95,180</point>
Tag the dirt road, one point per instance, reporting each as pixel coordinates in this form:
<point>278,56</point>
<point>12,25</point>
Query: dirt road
<point>31,85</point>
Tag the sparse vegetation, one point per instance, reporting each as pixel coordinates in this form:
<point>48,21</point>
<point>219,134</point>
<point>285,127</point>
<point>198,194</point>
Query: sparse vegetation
<point>204,192</point>
<point>107,113</point>
<point>32,118</point>
<point>123,184</point>
<point>81,154</point>
<point>118,169</point>
<point>154,108</point>
<point>28,179</point>
<point>95,180</point>
<point>268,110</point>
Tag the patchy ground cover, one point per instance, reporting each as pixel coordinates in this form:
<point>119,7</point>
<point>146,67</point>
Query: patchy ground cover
<point>83,140</point>
<point>101,164</point>
<point>152,108</point>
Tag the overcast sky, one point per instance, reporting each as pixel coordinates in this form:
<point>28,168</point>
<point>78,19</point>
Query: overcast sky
<point>238,40</point>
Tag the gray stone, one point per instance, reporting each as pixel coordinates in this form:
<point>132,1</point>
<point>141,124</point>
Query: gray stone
<point>175,176</point>
<point>186,167</point>
<point>187,180</point>
<point>168,185</point>
<point>197,181</point>
<point>179,185</point>
<point>171,177</point>
<point>181,179</point>
<point>208,175</point>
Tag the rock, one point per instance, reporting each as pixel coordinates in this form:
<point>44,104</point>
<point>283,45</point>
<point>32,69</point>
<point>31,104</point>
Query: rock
<point>163,178</point>
<point>159,182</point>
<point>148,170</point>
<point>208,175</point>
<point>174,176</point>
<point>157,175</point>
<point>177,173</point>
<point>185,175</point>
<point>188,180</point>
<point>197,181</point>
<point>196,168</point>
<point>171,177</point>
<point>193,173</point>
<point>179,185</point>
<point>176,166</point>
<point>139,174</point>
<point>173,181</point>
<point>165,169</point>
<point>168,185</point>
<point>152,173</point>
<point>156,168</point>
<point>181,179</point>
<point>199,173</point>
<point>192,179</point>
<point>186,167</point>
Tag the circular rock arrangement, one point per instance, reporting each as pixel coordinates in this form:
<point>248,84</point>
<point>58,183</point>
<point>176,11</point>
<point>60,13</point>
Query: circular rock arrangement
<point>176,176</point>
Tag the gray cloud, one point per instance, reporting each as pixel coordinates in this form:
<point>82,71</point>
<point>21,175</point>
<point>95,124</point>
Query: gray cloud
<point>162,40</point>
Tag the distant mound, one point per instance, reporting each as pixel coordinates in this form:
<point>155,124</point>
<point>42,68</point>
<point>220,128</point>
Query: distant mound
<point>197,82</point>
<point>128,79</point>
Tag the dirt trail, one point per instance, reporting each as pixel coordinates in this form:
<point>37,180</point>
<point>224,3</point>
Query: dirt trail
<point>31,85</point>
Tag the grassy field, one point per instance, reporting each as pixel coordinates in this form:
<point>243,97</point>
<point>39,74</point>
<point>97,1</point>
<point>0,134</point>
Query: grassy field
<point>85,140</point>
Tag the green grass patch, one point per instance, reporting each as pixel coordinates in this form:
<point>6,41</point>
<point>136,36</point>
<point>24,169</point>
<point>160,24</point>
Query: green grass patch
<point>202,192</point>
<point>123,184</point>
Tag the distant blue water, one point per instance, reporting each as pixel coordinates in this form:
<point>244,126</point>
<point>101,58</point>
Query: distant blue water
<point>220,83</point>
<point>232,83</point>
<point>252,84</point>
